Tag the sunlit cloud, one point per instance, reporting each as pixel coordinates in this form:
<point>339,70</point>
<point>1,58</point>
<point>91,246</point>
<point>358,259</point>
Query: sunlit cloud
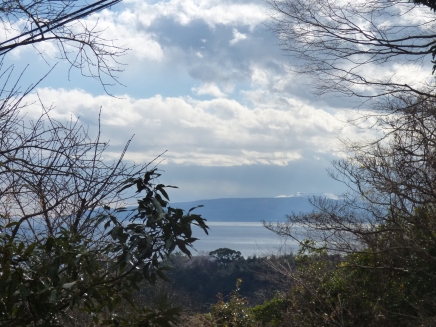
<point>217,132</point>
<point>237,37</point>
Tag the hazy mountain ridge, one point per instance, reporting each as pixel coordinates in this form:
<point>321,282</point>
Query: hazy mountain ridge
<point>248,209</point>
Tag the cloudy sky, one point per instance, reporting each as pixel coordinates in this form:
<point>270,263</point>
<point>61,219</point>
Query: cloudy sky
<point>206,81</point>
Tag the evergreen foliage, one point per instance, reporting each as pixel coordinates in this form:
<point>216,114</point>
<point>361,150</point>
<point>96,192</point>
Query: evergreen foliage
<point>201,278</point>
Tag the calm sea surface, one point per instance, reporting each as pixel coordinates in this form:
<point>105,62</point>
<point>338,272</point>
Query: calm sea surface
<point>251,238</point>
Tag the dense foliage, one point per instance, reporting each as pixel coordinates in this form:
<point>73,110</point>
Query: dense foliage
<point>368,259</point>
<point>248,305</point>
<point>198,280</point>
<point>383,233</point>
<point>225,255</point>
<point>43,280</point>
<point>428,3</point>
<point>70,254</point>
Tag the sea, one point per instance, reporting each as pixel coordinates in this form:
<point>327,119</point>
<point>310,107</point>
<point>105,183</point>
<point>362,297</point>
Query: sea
<point>235,223</point>
<point>250,238</point>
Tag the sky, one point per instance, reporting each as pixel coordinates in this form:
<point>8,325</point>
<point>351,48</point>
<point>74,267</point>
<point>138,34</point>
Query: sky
<point>206,83</point>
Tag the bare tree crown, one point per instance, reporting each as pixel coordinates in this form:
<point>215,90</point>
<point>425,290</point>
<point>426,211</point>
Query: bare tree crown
<point>80,43</point>
<point>357,48</point>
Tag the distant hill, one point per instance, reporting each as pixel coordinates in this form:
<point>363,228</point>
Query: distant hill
<point>248,209</point>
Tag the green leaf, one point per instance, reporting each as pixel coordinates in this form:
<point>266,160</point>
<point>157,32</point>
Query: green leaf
<point>169,242</point>
<point>53,296</point>
<point>128,297</point>
<point>125,187</point>
<point>101,219</point>
<point>107,322</point>
<point>30,249</point>
<point>146,271</point>
<point>20,247</point>
<point>123,237</point>
<point>157,206</point>
<point>108,223</point>
<point>193,208</point>
<point>49,244</point>
<point>183,248</point>
<point>162,275</point>
<point>67,286</point>
<point>171,186</point>
<point>24,291</point>
<point>139,185</point>
<point>14,223</point>
<point>160,188</point>
<point>162,202</point>
<point>148,175</point>
<point>153,278</point>
<point>116,232</point>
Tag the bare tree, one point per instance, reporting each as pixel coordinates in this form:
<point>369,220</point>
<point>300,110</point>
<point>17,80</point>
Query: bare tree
<point>67,243</point>
<point>392,194</point>
<point>428,3</point>
<point>358,48</point>
<point>61,224</point>
<point>371,256</point>
<point>66,240</point>
<point>51,169</point>
<point>32,150</point>
<point>383,230</point>
<point>82,45</point>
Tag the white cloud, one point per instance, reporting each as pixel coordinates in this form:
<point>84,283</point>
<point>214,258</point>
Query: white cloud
<point>208,89</point>
<point>124,29</point>
<point>115,30</point>
<point>132,26</point>
<point>219,132</point>
<point>330,196</point>
<point>140,26</point>
<point>295,195</point>
<point>237,37</point>
<point>213,12</point>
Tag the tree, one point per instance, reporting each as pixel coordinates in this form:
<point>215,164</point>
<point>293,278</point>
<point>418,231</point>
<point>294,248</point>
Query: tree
<point>381,234</point>
<point>329,290</point>
<point>384,228</point>
<point>391,185</point>
<point>365,49</point>
<point>92,262</point>
<point>225,255</point>
<point>29,23</point>
<point>69,249</point>
<point>234,313</point>
<point>66,242</point>
<point>428,3</point>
